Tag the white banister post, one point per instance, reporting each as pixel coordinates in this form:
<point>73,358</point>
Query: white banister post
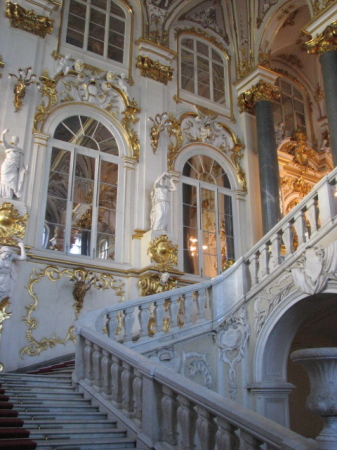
<point>159,312</point>
<point>106,374</point>
<point>300,227</point>
<point>249,442</point>
<point>264,260</point>
<point>174,309</point>
<point>112,324</point>
<point>206,429</point>
<point>276,243</point>
<point>79,371</point>
<point>312,213</point>
<point>126,379</point>
<point>169,408</point>
<point>187,422</point>
<point>116,382</point>
<point>326,202</point>
<point>144,317</point>
<point>288,238</point>
<point>96,362</point>
<point>137,386</point>
<point>129,320</point>
<point>88,362</point>
<point>225,436</point>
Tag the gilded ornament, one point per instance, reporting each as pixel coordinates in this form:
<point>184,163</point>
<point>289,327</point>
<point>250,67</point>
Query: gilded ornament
<point>129,118</point>
<point>154,69</point>
<point>84,280</point>
<point>298,147</point>
<point>295,185</point>
<point>156,283</point>
<point>164,253</point>
<point>12,225</point>
<point>25,78</point>
<point>291,59</point>
<point>319,94</point>
<point>262,91</point>
<point>324,42</point>
<point>28,20</point>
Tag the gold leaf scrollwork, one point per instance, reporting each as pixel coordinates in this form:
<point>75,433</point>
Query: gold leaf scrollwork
<point>154,283</point>
<point>324,42</point>
<point>154,69</point>
<point>164,253</point>
<point>12,225</point>
<point>130,118</point>
<point>48,90</point>
<point>28,20</point>
<point>83,281</point>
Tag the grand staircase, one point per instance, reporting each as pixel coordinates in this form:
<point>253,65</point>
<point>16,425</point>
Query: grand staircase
<point>44,411</point>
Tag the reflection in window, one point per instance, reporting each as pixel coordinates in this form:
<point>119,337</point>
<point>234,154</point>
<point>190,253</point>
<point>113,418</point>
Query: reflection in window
<point>80,216</point>
<point>289,109</point>
<point>208,237</point>
<point>202,70</point>
<point>97,26</point>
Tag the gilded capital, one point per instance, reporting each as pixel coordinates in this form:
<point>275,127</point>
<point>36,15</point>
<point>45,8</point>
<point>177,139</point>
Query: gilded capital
<point>324,42</point>
<point>261,91</point>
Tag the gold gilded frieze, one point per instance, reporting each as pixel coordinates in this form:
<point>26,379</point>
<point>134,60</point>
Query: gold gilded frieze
<point>28,20</point>
<point>154,69</point>
<point>83,280</point>
<point>12,225</point>
<point>324,42</point>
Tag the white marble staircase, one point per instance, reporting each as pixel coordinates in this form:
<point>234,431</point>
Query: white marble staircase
<point>59,417</point>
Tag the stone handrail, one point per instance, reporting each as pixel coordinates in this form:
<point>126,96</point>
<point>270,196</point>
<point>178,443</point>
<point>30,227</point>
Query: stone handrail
<point>200,307</point>
<point>165,410</point>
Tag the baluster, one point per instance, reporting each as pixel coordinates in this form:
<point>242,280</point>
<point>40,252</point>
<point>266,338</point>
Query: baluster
<point>312,213</point>
<point>202,304</point>
<point>128,323</point>
<point>275,251</point>
<point>254,269</point>
<point>126,378</point>
<point>288,238</point>
<point>300,227</point>
<point>264,260</point>
<point>137,386</point>
<point>144,317</point>
<point>187,421</point>
<point>188,303</point>
<point>206,429</point>
<point>106,374</point>
<point>225,436</point>
<point>159,312</point>
<point>249,442</point>
<point>116,382</point>
<point>96,360</point>
<point>174,308</point>
<point>112,324</point>
<point>88,362</point>
<point>169,408</point>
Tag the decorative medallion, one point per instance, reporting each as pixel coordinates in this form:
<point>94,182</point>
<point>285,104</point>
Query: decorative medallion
<point>164,253</point>
<point>12,225</point>
<point>28,20</point>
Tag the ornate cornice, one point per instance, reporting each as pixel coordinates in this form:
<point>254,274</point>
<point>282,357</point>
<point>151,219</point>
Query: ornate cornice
<point>28,20</point>
<point>324,42</point>
<point>154,69</point>
<point>262,91</point>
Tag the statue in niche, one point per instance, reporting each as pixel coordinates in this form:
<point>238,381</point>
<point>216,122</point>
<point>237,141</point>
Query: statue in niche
<point>160,201</point>
<point>12,169</point>
<point>8,269</point>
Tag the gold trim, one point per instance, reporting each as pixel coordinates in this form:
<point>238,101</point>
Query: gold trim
<point>155,283</point>
<point>28,20</point>
<point>24,79</point>
<point>12,225</point>
<point>164,253</point>
<point>261,91</point>
<point>154,69</point>
<point>54,274</point>
<point>324,42</point>
<point>138,234</point>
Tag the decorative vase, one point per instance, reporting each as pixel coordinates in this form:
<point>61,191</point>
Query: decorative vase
<point>321,366</point>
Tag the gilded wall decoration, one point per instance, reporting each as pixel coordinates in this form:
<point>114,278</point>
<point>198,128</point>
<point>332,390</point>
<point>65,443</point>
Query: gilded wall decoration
<point>163,253</point>
<point>324,42</point>
<point>261,91</point>
<point>320,5</point>
<point>88,84</point>
<point>295,185</point>
<point>12,224</point>
<point>154,69</point>
<point>291,59</point>
<point>25,78</point>
<point>28,20</point>
<point>158,11</point>
<point>193,365</point>
<point>155,283</point>
<point>298,147</point>
<point>83,280</point>
<point>263,8</point>
<point>201,34</point>
<point>231,339</point>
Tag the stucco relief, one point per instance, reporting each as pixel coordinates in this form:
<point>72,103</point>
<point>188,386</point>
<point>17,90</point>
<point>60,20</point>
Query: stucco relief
<point>231,339</point>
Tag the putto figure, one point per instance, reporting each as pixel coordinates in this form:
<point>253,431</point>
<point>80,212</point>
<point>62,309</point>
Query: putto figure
<point>161,202</point>
<point>12,169</point>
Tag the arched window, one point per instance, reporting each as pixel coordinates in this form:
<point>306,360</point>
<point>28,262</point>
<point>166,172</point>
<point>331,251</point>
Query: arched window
<point>289,109</point>
<point>81,205</point>
<point>202,70</point>
<point>207,211</point>
<point>97,26</point>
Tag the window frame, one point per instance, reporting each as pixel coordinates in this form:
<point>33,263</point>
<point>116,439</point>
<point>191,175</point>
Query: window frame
<point>80,51</point>
<point>193,98</point>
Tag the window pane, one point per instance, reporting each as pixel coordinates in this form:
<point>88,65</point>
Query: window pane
<point>188,43</point>
<point>99,3</point>
<point>216,56</point>
<point>202,48</point>
<point>105,246</point>
<point>116,10</point>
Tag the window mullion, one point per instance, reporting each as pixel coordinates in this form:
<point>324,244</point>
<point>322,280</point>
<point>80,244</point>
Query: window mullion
<point>107,28</point>
<point>87,24</point>
<point>69,213</point>
<point>95,209</point>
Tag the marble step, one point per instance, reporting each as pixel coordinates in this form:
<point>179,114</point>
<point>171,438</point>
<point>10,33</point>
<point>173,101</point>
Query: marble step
<point>61,423</point>
<point>86,444</point>
<point>77,433</point>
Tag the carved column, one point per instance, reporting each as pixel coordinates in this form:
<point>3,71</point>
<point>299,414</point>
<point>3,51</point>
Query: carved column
<point>325,46</point>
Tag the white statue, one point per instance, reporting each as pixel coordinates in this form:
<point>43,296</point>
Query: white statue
<point>7,268</point>
<point>63,66</point>
<point>280,133</point>
<point>161,202</point>
<point>12,169</point>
